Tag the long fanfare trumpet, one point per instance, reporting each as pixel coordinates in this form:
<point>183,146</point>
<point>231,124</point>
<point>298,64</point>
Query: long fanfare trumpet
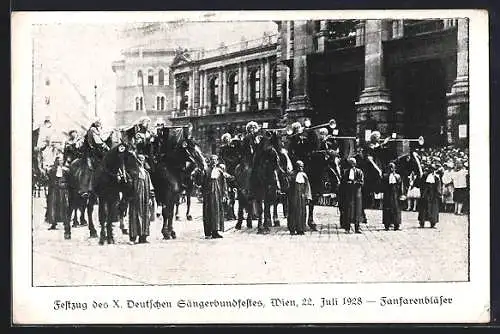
<point>420,139</point>
<point>332,124</point>
<point>287,129</point>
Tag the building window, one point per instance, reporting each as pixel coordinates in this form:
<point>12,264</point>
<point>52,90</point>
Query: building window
<point>214,94</point>
<point>275,84</point>
<point>139,78</point>
<point>233,91</point>
<point>160,102</point>
<point>151,77</point>
<point>254,87</point>
<point>161,77</point>
<point>139,103</point>
<point>184,96</point>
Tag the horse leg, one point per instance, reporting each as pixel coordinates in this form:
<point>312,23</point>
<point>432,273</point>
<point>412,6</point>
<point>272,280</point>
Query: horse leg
<point>310,220</point>
<point>177,210</point>
<point>188,206</point>
<point>240,212</point>
<point>261,228</point>
<point>230,206</point>
<point>90,212</point>
<point>267,213</point>
<point>170,227</point>
<point>103,214</point>
<point>109,222</point>
<point>276,220</point>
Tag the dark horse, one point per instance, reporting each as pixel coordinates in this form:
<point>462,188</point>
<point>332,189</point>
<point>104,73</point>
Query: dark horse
<point>193,180</point>
<point>83,196</point>
<point>175,157</point>
<point>264,184</point>
<point>285,168</point>
<point>112,177</point>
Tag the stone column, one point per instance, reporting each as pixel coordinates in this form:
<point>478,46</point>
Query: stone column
<point>200,91</point>
<point>219,92</point>
<point>244,92</point>
<point>224,91</point>
<point>205,93</point>
<point>191,95</point>
<point>262,86</point>
<point>458,98</point>
<point>299,105</point>
<point>175,94</point>
<point>360,33</point>
<point>268,83</point>
<point>374,102</point>
<point>322,35</point>
<point>196,91</point>
<point>240,87</point>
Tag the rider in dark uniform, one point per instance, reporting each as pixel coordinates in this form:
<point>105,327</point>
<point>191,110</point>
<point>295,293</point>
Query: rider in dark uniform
<point>95,147</point>
<point>72,147</point>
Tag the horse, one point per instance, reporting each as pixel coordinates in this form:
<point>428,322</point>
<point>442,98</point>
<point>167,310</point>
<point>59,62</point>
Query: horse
<point>285,168</point>
<point>112,177</point>
<point>83,196</point>
<point>192,181</point>
<point>405,165</point>
<point>264,180</point>
<point>172,162</point>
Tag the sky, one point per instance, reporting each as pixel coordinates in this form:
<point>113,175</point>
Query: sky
<point>85,52</point>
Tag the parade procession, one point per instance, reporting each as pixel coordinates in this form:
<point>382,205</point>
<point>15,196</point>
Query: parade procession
<point>237,151</point>
<point>131,174</point>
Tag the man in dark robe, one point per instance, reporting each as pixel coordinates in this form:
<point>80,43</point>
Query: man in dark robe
<point>140,203</point>
<point>350,204</point>
<point>431,190</point>
<point>213,200</point>
<point>391,184</point>
<point>299,196</point>
<point>58,198</point>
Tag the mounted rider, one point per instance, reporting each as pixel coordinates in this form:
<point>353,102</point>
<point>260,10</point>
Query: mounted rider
<point>250,142</point>
<point>94,145</point>
<point>72,147</point>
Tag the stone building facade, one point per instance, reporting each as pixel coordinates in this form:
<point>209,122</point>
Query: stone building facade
<point>144,85</point>
<point>408,77</point>
<point>225,88</point>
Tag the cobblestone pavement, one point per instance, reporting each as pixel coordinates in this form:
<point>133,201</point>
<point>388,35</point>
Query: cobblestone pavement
<point>329,255</point>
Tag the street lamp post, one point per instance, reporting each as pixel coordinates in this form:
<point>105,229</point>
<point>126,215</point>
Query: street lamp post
<point>95,100</point>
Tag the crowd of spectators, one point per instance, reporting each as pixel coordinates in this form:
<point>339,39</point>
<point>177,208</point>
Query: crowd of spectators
<point>453,166</point>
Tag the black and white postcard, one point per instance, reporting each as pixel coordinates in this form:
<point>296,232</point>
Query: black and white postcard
<point>250,167</point>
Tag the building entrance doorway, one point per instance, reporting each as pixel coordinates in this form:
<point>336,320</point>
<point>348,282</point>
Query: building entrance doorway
<point>419,91</point>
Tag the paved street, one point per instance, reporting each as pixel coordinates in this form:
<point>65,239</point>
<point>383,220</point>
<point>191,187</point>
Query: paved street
<point>328,255</point>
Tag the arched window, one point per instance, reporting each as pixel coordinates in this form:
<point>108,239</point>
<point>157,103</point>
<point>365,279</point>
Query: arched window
<point>161,77</point>
<point>233,91</point>
<point>254,87</point>
<point>160,102</point>
<point>140,78</point>
<point>151,77</point>
<point>139,103</point>
<point>214,94</point>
